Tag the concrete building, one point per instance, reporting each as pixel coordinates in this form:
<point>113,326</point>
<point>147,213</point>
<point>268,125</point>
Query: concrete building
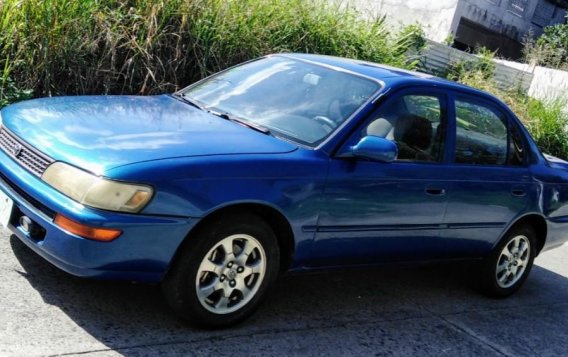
<point>496,24</point>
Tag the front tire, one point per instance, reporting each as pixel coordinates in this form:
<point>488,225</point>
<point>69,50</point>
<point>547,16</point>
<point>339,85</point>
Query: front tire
<point>506,269</point>
<point>222,273</point>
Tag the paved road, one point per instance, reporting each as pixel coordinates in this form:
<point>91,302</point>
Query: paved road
<point>387,311</point>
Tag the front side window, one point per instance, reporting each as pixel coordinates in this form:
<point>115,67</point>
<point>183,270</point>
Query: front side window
<point>294,99</point>
<point>481,134</point>
<point>415,123</point>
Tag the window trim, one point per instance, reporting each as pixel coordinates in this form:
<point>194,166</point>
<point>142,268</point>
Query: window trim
<point>491,105</point>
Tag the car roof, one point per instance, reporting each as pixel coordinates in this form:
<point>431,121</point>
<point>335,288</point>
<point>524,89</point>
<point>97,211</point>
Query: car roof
<point>391,76</point>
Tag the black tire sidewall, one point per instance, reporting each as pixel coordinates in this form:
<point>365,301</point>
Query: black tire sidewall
<point>179,285</point>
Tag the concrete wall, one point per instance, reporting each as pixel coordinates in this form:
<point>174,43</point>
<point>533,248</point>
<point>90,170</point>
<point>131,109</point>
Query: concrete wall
<point>549,84</point>
<point>501,17</point>
<point>496,15</point>
<point>436,16</point>
<point>546,83</point>
<point>525,67</point>
<point>438,57</point>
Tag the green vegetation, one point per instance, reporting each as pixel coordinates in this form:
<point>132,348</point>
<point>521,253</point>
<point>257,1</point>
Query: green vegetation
<point>58,47</point>
<point>550,49</point>
<point>481,66</point>
<point>547,124</point>
<point>556,37</point>
<point>11,93</point>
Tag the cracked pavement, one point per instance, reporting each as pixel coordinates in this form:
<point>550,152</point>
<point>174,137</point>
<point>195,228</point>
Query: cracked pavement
<point>384,311</point>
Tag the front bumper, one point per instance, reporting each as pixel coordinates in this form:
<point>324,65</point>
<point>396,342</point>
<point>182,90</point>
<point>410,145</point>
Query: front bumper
<point>142,252</point>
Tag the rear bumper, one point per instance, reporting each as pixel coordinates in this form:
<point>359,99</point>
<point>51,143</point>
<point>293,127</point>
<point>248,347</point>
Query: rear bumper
<point>557,233</point>
<point>142,252</point>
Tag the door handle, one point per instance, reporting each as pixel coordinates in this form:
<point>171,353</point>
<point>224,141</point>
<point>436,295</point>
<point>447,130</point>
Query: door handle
<point>435,191</point>
<point>519,192</point>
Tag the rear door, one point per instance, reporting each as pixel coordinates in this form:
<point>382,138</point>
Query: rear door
<point>490,178</point>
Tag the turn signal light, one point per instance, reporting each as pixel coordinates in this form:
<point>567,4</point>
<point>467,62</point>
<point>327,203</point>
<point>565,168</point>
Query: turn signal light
<point>99,234</point>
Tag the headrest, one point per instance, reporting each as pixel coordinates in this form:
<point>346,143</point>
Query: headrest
<point>414,130</point>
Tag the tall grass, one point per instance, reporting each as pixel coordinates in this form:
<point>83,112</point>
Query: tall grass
<point>548,125</point>
<point>150,46</point>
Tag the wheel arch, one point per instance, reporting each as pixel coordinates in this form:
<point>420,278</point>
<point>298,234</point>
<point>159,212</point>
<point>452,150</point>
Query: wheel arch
<point>537,222</point>
<point>273,217</point>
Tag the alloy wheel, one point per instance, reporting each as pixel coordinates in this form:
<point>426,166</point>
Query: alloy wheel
<point>513,261</point>
<point>230,274</point>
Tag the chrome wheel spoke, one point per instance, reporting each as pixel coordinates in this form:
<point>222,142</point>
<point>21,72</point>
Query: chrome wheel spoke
<point>223,302</point>
<point>248,249</point>
<point>514,271</point>
<point>228,249</point>
<point>503,277</point>
<point>257,268</point>
<point>501,267</point>
<point>506,253</point>
<point>242,287</point>
<point>524,252</point>
<point>247,271</point>
<point>516,242</point>
<point>210,266</point>
<point>206,291</point>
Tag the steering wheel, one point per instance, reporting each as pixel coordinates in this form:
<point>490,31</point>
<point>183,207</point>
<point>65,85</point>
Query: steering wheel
<point>325,121</point>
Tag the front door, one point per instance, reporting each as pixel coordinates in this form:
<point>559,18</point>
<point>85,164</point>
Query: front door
<point>380,212</point>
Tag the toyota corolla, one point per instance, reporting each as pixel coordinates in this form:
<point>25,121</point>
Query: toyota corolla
<point>290,162</point>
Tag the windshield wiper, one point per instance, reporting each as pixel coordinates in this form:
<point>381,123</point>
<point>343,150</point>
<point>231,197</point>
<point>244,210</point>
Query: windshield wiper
<point>246,123</point>
<point>223,115</point>
<point>190,101</point>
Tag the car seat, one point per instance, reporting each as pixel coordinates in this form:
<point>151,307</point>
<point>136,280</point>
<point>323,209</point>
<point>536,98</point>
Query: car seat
<point>413,135</point>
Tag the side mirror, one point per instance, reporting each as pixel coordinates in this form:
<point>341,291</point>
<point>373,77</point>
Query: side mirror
<point>375,148</point>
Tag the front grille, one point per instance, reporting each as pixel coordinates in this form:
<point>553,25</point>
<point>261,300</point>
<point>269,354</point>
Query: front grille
<point>31,201</point>
<point>27,156</point>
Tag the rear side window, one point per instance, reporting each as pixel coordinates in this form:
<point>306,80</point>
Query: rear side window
<point>483,136</point>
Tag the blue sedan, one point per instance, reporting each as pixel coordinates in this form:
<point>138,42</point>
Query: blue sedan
<point>289,162</point>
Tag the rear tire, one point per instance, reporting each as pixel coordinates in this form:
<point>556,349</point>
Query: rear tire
<point>222,273</point>
<point>504,271</point>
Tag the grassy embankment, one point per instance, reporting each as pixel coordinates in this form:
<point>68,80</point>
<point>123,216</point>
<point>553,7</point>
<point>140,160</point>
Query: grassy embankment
<point>60,47</point>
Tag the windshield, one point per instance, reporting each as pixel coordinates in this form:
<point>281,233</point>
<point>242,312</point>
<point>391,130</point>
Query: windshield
<point>291,98</point>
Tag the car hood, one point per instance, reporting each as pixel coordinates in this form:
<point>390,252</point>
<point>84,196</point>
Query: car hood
<point>99,133</point>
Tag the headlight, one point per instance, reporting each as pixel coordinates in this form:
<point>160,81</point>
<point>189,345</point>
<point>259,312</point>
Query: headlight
<point>95,191</point>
